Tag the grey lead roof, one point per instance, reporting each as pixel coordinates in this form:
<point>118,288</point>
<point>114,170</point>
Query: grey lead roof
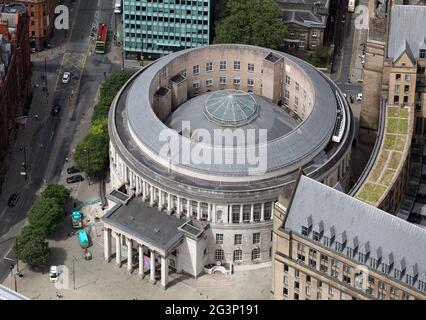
<point>407,27</point>
<point>382,233</point>
<point>295,148</point>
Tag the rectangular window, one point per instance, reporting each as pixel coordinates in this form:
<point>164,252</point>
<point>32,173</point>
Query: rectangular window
<point>285,267</point>
<point>222,80</point>
<point>250,82</point>
<point>308,291</point>
<point>296,101</point>
<point>250,67</point>
<point>406,89</point>
<point>397,87</point>
<point>287,80</point>
<point>285,291</point>
<point>209,82</point>
<point>286,94</point>
<point>422,54</point>
<point>398,77</point>
<point>196,84</point>
<point>407,77</point>
<point>196,69</point>
<point>236,65</point>
<point>209,66</point>
<point>285,280</point>
<point>256,238</point>
<point>222,65</point>
<point>237,80</point>
<point>296,85</point>
<point>219,238</point>
<point>238,239</point>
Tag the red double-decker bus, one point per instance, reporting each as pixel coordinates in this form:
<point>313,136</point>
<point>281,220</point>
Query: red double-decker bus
<point>102,38</point>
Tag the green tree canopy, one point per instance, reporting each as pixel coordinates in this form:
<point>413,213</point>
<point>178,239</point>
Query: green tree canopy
<point>58,192</point>
<point>31,247</point>
<point>91,155</point>
<point>46,215</point>
<point>255,22</point>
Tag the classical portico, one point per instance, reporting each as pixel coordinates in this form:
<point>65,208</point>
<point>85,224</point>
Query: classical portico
<point>147,240</point>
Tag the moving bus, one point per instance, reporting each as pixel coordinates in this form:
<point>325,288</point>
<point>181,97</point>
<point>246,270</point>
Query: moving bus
<point>102,38</point>
<point>351,6</point>
<point>117,7</point>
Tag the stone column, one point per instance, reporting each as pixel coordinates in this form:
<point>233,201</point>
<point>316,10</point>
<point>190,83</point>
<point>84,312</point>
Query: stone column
<point>241,213</point>
<point>214,213</point>
<point>164,273</point>
<point>118,249</point>
<point>129,256</point>
<point>262,212</point>
<point>144,189</point>
<point>178,207</point>
<point>152,267</point>
<point>107,244</point>
<point>209,212</point>
<point>141,266</point>
<point>198,210</point>
<point>169,203</point>
<point>160,199</point>
<point>151,196</point>
<point>188,209</point>
<point>252,213</point>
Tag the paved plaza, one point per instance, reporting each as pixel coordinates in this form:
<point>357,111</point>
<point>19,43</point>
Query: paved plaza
<point>97,279</point>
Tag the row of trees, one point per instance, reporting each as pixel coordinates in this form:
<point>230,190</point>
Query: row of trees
<point>45,216</point>
<point>91,154</point>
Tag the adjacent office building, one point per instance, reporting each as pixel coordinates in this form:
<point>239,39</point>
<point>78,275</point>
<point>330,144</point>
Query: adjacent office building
<point>156,28</point>
<point>330,246</point>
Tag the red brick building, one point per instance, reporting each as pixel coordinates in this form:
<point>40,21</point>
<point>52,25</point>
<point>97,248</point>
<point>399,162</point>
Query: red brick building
<point>42,15</point>
<point>15,75</point>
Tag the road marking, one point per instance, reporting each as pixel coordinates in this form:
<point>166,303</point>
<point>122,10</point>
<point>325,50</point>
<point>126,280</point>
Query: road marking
<point>5,256</point>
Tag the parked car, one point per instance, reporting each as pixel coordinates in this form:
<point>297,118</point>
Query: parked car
<point>72,170</point>
<point>54,273</point>
<point>56,108</point>
<point>13,200</point>
<point>66,77</point>
<point>359,97</point>
<point>75,178</point>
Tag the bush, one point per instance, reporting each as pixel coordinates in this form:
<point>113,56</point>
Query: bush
<point>31,247</point>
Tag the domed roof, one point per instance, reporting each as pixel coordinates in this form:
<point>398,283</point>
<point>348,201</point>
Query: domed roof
<point>230,108</point>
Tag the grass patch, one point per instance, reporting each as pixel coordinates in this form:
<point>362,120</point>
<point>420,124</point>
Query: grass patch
<point>392,125</point>
<point>403,113</point>
<point>393,112</point>
<point>393,142</point>
<point>370,192</point>
<point>387,177</point>
<point>394,161</point>
<point>378,167</point>
<point>403,126</point>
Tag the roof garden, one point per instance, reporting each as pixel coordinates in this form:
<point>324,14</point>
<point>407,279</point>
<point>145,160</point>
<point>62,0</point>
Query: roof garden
<point>386,168</point>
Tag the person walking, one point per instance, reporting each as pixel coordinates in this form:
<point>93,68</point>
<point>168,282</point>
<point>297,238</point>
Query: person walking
<point>36,116</point>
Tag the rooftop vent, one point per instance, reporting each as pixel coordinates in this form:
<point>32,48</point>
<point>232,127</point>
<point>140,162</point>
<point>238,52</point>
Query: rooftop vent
<point>156,230</point>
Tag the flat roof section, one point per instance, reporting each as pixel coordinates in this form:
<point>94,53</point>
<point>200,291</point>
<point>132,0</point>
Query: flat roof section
<point>146,223</point>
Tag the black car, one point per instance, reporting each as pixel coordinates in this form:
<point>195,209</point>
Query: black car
<point>13,200</point>
<point>74,179</point>
<point>56,108</point>
<point>72,170</point>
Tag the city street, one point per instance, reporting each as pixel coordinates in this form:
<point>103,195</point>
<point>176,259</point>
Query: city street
<point>47,139</point>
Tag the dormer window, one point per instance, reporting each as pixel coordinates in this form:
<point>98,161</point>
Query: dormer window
<point>397,274</point>
<point>409,280</point>
<point>373,263</point>
<point>327,241</point>
<point>422,54</point>
<point>362,257</point>
<point>350,252</point>
<point>305,231</point>
<point>339,246</point>
<point>385,268</point>
<point>316,236</point>
<point>422,285</point>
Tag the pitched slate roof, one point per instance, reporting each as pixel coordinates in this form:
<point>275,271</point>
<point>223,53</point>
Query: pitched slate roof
<point>377,232</point>
<point>407,25</point>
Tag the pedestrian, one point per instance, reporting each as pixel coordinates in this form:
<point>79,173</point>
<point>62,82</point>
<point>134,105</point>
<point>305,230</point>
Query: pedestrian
<point>36,116</point>
<point>66,159</point>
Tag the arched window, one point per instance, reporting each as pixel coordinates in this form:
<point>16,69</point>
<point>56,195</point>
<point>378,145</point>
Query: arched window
<point>255,254</point>
<point>219,255</point>
<point>238,255</point>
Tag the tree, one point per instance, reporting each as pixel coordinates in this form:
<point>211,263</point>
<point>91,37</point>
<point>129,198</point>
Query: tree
<point>31,247</point>
<point>91,154</point>
<point>255,22</point>
<point>46,215</point>
<point>319,57</point>
<point>58,192</point>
